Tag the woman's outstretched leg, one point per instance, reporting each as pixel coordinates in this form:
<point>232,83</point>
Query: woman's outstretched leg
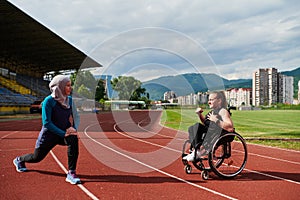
<point>35,157</point>
<point>73,152</point>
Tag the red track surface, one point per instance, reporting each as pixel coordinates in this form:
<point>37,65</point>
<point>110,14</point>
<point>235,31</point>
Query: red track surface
<point>132,163</point>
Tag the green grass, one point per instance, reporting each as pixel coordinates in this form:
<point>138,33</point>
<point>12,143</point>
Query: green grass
<point>268,123</point>
<point>19,117</point>
<point>250,124</point>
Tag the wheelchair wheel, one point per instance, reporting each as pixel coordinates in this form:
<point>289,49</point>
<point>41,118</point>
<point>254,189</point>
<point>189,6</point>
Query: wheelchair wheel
<point>205,175</point>
<point>228,156</point>
<point>188,169</point>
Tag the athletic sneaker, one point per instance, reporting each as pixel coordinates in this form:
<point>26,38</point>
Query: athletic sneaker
<point>72,178</point>
<point>190,157</point>
<point>20,166</point>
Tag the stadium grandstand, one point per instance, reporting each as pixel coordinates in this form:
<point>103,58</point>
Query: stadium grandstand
<point>29,51</point>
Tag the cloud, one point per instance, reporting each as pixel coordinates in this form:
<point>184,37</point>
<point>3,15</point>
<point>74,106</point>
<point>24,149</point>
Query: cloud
<point>155,46</point>
<point>236,37</point>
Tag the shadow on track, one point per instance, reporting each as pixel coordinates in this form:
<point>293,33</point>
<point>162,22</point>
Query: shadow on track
<point>252,176</point>
<point>115,178</point>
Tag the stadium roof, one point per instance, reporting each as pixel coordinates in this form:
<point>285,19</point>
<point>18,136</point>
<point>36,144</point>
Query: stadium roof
<point>28,47</point>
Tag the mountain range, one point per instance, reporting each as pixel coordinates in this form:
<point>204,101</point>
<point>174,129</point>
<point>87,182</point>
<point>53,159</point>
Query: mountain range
<point>185,84</point>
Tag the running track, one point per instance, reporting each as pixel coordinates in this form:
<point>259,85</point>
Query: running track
<point>128,155</point>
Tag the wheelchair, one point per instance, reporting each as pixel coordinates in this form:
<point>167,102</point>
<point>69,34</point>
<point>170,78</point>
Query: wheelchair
<point>226,158</point>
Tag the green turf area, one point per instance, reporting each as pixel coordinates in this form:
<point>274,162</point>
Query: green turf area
<point>19,117</point>
<point>250,124</point>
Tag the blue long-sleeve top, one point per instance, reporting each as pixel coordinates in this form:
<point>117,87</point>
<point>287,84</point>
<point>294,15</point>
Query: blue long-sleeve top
<point>55,118</point>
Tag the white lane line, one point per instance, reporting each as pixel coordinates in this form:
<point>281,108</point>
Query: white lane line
<point>272,176</point>
<point>155,169</point>
<point>267,147</point>
<point>8,134</point>
<point>272,158</point>
<point>155,133</point>
<point>144,141</point>
<point>166,136</point>
<point>86,191</point>
<point>269,157</point>
<point>278,148</point>
<point>17,149</point>
<point>264,174</point>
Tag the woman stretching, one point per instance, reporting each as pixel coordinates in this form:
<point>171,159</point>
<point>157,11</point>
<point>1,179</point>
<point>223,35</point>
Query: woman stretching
<point>59,127</point>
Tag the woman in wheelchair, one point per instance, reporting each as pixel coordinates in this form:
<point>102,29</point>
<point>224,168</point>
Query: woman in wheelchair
<point>218,120</point>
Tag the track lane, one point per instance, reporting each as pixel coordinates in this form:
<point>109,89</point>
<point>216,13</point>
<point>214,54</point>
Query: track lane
<point>109,183</point>
<point>44,180</point>
<point>251,173</point>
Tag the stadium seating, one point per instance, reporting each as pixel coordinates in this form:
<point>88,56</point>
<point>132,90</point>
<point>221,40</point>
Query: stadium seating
<point>37,85</point>
<point>14,94</point>
<point>10,98</point>
<point>14,86</point>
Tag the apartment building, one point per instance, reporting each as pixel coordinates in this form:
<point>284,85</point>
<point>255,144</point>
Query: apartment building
<point>169,96</point>
<point>285,91</point>
<point>193,99</point>
<point>270,87</point>
<point>239,96</point>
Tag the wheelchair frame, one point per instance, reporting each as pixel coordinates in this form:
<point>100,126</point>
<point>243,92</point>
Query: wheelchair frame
<point>227,158</point>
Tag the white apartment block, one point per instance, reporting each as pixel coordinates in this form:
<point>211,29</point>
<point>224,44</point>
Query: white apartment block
<point>270,87</point>
<point>193,99</point>
<point>235,97</point>
<point>187,100</point>
<point>169,95</point>
<point>239,97</point>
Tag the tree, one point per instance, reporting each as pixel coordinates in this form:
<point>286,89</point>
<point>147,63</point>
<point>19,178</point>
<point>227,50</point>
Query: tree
<point>84,91</point>
<point>84,78</point>
<point>100,91</point>
<point>85,84</point>
<point>128,88</point>
<point>137,94</point>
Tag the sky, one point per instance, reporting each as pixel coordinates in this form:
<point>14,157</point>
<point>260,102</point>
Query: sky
<point>152,38</point>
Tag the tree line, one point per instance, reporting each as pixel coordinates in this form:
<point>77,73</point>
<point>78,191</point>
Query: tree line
<point>127,87</point>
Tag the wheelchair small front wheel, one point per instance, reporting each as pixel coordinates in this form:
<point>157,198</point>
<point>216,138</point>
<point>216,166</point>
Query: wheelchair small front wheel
<point>205,175</point>
<point>188,169</point>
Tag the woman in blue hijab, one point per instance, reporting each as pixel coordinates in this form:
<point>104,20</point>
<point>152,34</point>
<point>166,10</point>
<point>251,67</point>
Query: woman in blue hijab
<point>59,127</point>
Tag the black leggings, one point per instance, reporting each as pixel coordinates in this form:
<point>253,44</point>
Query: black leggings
<point>196,134</point>
<point>41,152</point>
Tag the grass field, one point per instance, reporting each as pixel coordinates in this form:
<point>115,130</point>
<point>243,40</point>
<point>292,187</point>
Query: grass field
<point>269,127</point>
<point>19,117</point>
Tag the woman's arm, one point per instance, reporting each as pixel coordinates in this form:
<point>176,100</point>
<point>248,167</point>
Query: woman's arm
<point>225,122</point>
<point>74,118</point>
<point>199,112</point>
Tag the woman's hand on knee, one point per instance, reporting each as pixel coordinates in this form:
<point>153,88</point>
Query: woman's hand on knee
<point>71,131</point>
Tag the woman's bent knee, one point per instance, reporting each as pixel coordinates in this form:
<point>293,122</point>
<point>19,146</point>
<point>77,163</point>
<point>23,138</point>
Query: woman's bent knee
<point>72,140</point>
